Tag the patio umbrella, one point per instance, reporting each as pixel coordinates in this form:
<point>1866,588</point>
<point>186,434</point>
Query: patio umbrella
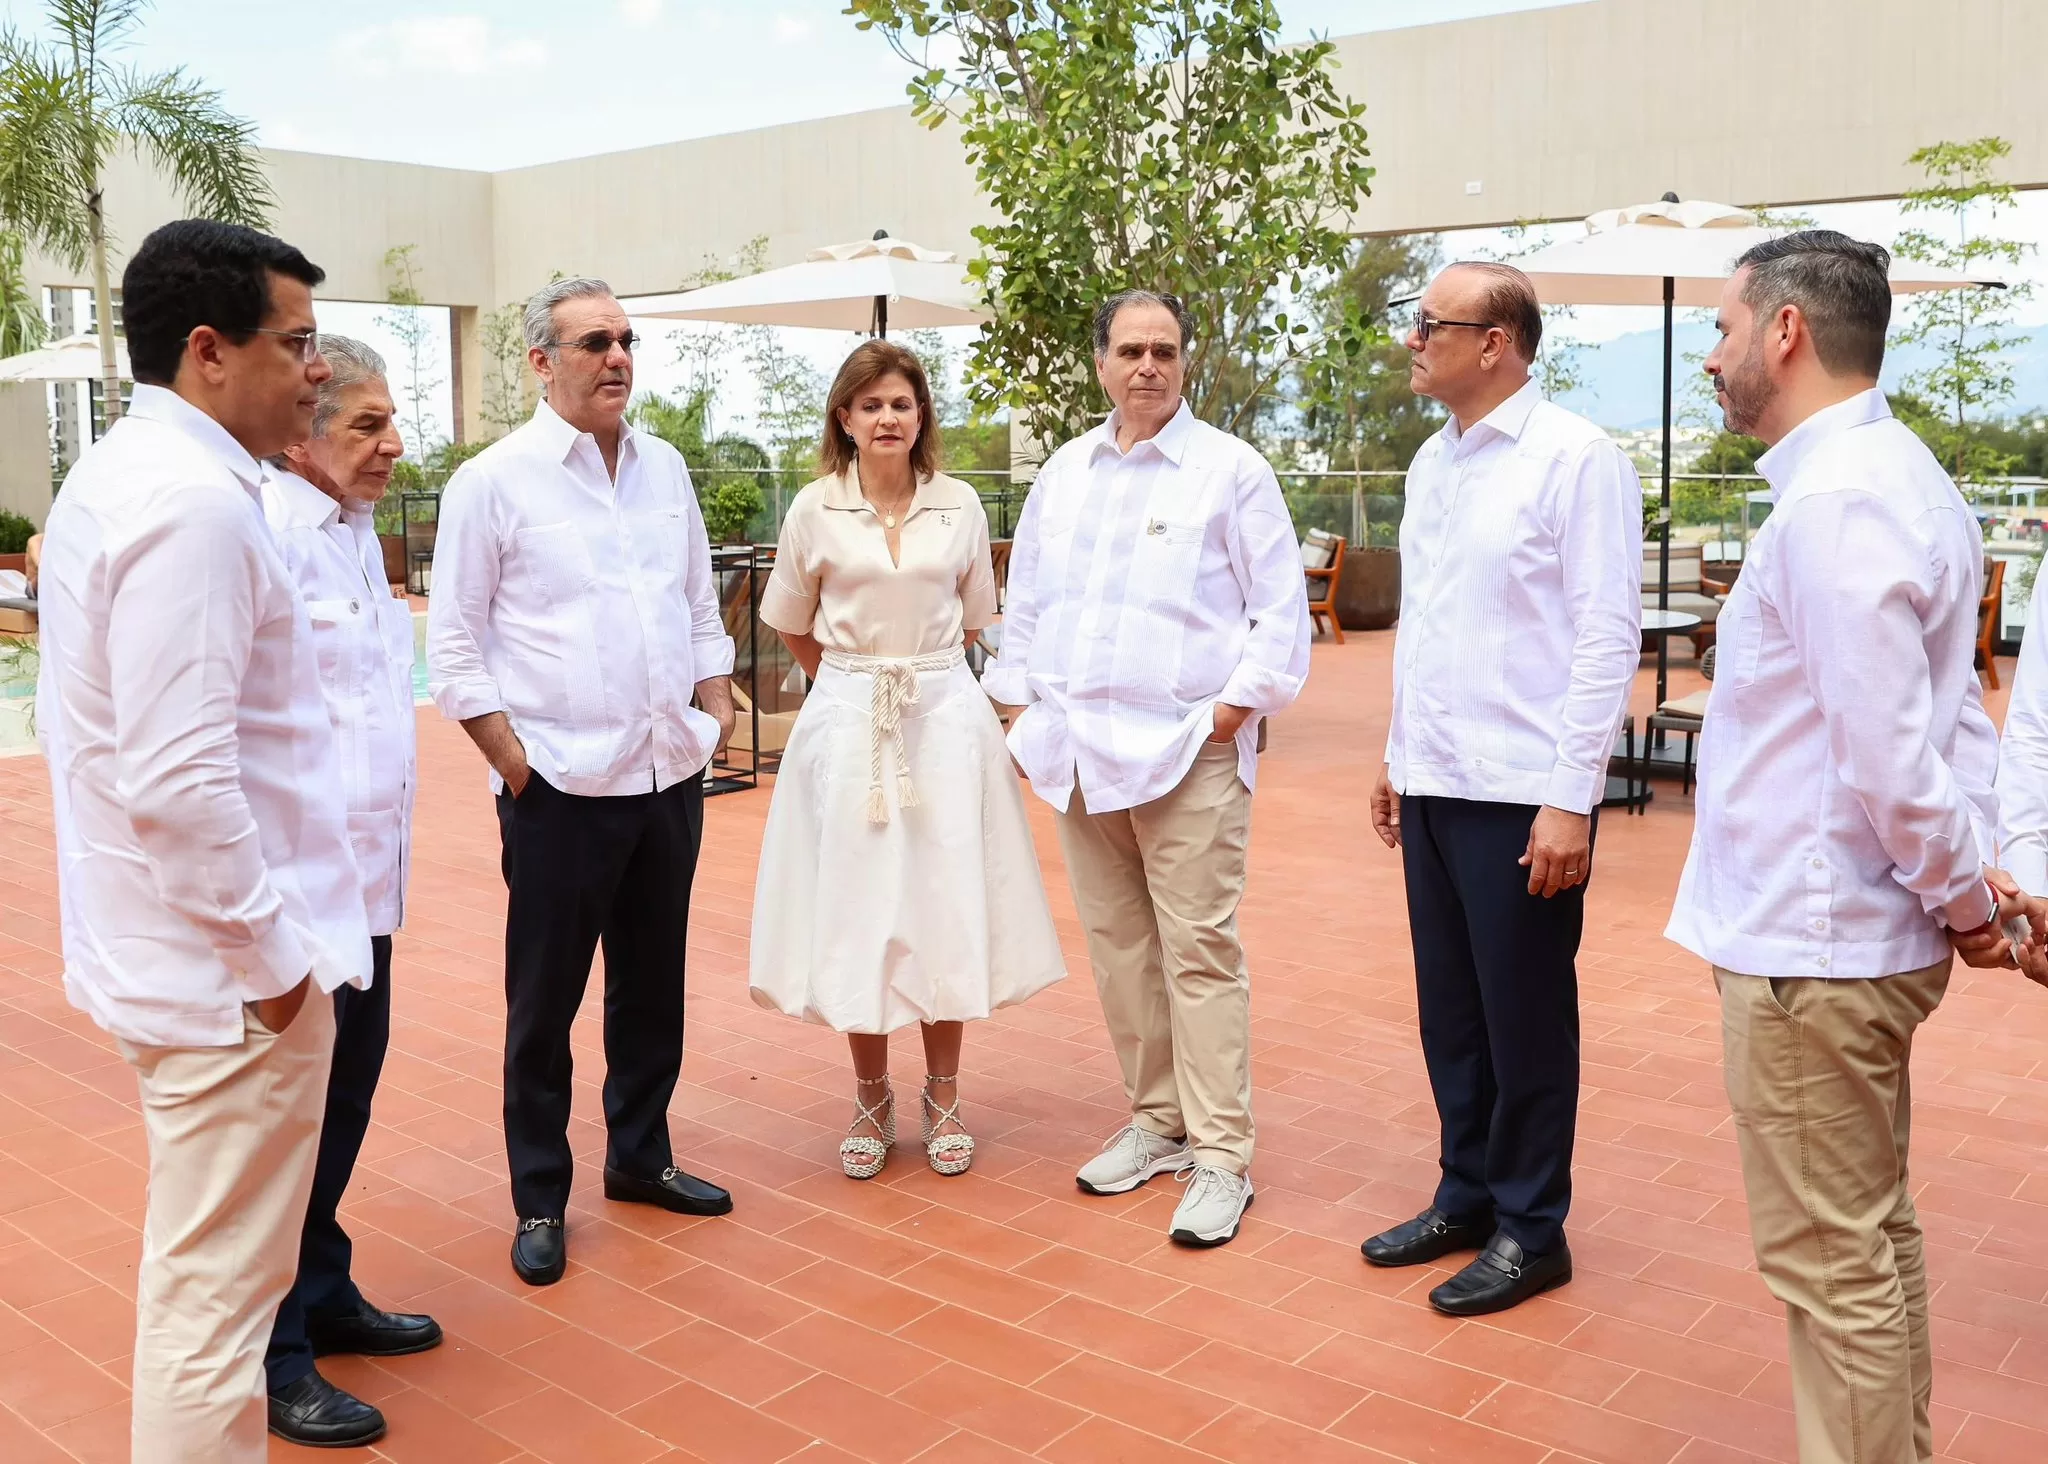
<point>73,358</point>
<point>1671,253</point>
<point>864,286</point>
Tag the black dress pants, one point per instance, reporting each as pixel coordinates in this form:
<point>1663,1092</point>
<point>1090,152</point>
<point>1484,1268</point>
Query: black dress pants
<point>1497,989</point>
<point>362,1033</point>
<point>580,871</point>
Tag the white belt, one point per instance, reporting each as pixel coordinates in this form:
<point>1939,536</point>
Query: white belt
<point>896,687</point>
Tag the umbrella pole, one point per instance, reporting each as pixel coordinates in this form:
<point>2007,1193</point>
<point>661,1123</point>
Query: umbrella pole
<point>1664,537</point>
<point>881,317</point>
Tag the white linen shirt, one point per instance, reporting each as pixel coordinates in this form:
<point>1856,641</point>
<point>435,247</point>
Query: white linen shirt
<point>582,608</point>
<point>2022,785</point>
<point>1145,587</point>
<point>363,637</point>
<point>1521,609</point>
<point>1846,765</point>
<point>203,858</point>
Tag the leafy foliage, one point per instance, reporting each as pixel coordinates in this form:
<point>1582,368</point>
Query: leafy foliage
<point>409,322</point>
<point>22,327</point>
<point>1357,411</point>
<point>1167,144</point>
<point>15,531</point>
<point>501,334</point>
<point>68,105</point>
<point>1969,327</point>
<point>725,469</point>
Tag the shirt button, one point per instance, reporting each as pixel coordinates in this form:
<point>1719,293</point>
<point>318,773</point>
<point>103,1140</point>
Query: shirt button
<point>1820,864</point>
<point>1821,960</point>
<point>355,607</point>
<point>1820,925</point>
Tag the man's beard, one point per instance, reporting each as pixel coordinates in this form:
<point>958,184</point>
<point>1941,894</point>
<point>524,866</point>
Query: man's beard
<point>1749,391</point>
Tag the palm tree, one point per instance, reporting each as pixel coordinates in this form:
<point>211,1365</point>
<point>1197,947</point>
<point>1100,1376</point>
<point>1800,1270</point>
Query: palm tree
<point>68,106</point>
<point>21,316</point>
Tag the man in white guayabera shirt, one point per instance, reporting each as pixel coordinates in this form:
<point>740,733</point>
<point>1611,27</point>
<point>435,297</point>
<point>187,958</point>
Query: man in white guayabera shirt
<point>2022,785</point>
<point>1155,613</point>
<point>1521,627</point>
<point>208,891</point>
<point>320,496</point>
<point>1841,837</point>
<point>574,620</point>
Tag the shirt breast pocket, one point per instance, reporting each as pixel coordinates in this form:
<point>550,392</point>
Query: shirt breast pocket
<point>334,623</point>
<point>1740,636</point>
<point>659,535</point>
<point>558,560</point>
<point>1167,558</point>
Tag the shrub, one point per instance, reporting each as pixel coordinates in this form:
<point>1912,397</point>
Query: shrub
<point>14,532</point>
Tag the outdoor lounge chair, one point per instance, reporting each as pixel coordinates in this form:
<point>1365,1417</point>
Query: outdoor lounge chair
<point>1322,561</point>
<point>1987,621</point>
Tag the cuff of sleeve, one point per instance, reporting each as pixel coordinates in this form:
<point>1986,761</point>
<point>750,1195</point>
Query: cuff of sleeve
<point>1008,685</point>
<point>1972,910</point>
<point>1575,790</point>
<point>271,965</point>
<point>782,609</point>
<point>713,656</point>
<point>1261,691</point>
<point>461,700</point>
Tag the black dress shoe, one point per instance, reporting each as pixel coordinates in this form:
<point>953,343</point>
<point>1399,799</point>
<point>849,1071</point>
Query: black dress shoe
<point>1500,1277</point>
<point>539,1252</point>
<point>1428,1237</point>
<point>368,1332</point>
<point>683,1193</point>
<point>319,1415</point>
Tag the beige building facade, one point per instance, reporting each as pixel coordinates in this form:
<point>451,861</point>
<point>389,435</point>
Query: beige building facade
<point>1538,115</point>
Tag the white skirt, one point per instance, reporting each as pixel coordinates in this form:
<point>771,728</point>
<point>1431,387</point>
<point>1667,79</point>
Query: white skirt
<point>912,896</point>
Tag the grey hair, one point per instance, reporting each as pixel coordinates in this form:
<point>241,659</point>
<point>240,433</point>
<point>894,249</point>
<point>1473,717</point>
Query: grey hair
<point>1841,285</point>
<point>1106,313</point>
<point>354,363</point>
<point>539,324</point>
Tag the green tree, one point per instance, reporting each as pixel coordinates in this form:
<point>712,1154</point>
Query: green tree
<point>408,321</point>
<point>68,106</point>
<point>1357,411</point>
<point>501,334</point>
<point>726,469</point>
<point>1168,144</point>
<point>1970,329</point>
<point>22,327</point>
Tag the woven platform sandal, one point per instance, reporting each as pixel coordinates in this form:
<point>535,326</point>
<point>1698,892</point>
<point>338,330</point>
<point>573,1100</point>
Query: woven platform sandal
<point>948,1153</point>
<point>863,1155</point>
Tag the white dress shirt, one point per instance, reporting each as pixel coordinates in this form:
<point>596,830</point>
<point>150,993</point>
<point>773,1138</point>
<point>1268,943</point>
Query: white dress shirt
<point>364,639</point>
<point>2022,785</point>
<point>202,839</point>
<point>1847,762</point>
<point>1145,587</point>
<point>1521,609</point>
<point>582,608</point>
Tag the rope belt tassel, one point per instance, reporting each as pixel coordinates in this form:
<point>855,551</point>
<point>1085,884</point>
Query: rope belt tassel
<point>896,687</point>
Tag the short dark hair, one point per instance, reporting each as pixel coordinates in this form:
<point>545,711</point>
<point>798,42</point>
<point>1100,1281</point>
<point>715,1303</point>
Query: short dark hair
<point>1106,313</point>
<point>1510,304</point>
<point>1841,285</point>
<point>198,272</point>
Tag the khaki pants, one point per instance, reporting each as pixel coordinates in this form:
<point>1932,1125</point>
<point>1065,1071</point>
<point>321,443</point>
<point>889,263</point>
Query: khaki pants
<point>233,1132</point>
<point>1157,887</point>
<point>1818,1079</point>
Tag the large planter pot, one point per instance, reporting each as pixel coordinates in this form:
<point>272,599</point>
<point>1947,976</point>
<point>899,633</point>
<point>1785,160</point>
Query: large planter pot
<point>395,566</point>
<point>1369,591</point>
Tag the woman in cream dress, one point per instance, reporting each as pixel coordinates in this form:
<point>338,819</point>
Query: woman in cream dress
<point>898,879</point>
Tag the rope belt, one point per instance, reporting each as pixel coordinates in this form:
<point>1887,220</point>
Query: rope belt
<point>896,687</point>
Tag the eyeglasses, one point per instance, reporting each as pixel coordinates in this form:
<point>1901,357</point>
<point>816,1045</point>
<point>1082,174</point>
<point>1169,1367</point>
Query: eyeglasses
<point>598,343</point>
<point>308,341</point>
<point>1424,324</point>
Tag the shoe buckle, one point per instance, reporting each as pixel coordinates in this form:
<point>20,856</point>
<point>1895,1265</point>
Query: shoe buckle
<point>527,1227</point>
<point>669,1173</point>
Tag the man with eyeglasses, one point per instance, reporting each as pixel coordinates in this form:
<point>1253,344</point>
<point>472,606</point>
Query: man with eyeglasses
<point>209,895</point>
<point>574,619</point>
<point>1521,569</point>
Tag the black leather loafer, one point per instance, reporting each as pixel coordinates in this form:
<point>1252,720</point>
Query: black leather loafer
<point>1428,1237</point>
<point>315,1413</point>
<point>368,1332</point>
<point>539,1252</point>
<point>683,1193</point>
<point>1500,1277</point>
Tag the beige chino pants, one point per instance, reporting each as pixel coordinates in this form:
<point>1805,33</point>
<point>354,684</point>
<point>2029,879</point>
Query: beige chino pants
<point>1157,887</point>
<point>1818,1079</point>
<point>233,1135</point>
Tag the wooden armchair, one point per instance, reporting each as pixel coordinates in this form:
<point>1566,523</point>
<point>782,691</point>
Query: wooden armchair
<point>999,562</point>
<point>1323,578</point>
<point>1987,621</point>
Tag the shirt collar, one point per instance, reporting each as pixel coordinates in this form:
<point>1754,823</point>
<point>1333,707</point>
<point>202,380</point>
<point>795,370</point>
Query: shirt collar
<point>1781,464</point>
<point>1170,440</point>
<point>842,491</point>
<point>1508,419</point>
<point>161,404</point>
<point>559,439</point>
<point>304,505</point>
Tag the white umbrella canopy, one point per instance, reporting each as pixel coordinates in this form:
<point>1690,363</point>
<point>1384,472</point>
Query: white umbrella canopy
<point>869,285</point>
<point>73,358</point>
<point>1626,254</point>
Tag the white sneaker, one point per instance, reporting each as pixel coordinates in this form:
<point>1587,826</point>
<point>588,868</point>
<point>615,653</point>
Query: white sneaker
<point>1210,1212</point>
<point>1130,1158</point>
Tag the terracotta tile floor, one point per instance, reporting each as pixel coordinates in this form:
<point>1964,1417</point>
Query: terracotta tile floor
<point>1005,1316</point>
